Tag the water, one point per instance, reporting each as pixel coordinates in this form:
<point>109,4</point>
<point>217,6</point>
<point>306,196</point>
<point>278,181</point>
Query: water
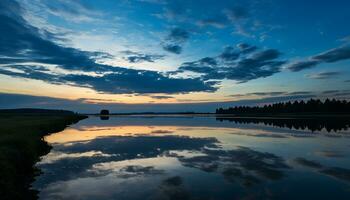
<point>181,157</point>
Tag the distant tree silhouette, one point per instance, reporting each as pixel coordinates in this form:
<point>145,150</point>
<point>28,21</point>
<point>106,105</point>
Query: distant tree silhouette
<point>310,106</point>
<point>104,112</point>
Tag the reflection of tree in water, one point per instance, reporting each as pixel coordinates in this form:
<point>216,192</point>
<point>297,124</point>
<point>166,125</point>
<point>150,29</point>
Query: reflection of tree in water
<point>244,165</point>
<point>335,124</point>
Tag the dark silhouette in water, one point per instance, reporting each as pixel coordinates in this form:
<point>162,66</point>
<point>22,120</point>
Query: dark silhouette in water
<point>104,112</point>
<point>334,124</point>
<point>104,117</point>
<point>310,106</point>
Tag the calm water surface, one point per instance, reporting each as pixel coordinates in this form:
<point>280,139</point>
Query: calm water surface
<point>181,157</point>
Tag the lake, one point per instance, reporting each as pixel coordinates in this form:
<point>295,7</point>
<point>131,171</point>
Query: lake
<point>184,157</point>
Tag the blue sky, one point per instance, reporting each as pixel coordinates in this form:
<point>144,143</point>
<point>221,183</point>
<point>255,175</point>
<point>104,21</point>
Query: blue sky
<point>172,53</point>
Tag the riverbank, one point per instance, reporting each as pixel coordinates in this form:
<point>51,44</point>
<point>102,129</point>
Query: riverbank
<point>22,145</point>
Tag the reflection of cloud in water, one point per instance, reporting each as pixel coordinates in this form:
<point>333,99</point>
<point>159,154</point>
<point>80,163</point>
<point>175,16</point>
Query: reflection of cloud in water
<point>172,189</point>
<point>141,146</point>
<point>336,172</point>
<point>308,163</point>
<point>127,171</point>
<point>54,156</point>
<point>330,154</point>
<point>242,164</point>
<point>267,135</point>
<point>118,148</point>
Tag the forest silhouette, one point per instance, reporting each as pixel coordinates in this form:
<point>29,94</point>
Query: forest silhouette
<point>310,106</point>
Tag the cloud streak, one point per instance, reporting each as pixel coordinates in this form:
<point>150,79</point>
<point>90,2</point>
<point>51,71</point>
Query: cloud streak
<point>330,56</point>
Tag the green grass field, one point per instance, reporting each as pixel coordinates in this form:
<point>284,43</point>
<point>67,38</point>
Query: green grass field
<point>22,145</point>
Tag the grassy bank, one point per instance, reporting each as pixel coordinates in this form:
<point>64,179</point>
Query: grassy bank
<point>22,145</point>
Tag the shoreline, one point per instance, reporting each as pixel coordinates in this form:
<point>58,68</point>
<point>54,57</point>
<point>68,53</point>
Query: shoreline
<point>22,146</point>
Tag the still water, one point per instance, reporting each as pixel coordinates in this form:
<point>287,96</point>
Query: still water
<point>181,157</point>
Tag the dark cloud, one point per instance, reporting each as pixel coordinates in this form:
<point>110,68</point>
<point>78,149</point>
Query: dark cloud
<point>330,91</point>
<point>333,55</point>
<point>120,83</point>
<point>24,43</point>
<point>229,54</point>
<point>173,48</point>
<point>300,93</point>
<point>267,93</point>
<point>246,48</point>
<point>232,64</point>
<point>237,13</point>
<point>136,57</point>
<point>161,97</point>
<point>175,39</point>
<point>298,66</point>
<point>178,34</point>
<point>323,75</point>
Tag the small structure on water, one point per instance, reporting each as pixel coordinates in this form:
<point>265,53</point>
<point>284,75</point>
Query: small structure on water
<point>104,112</point>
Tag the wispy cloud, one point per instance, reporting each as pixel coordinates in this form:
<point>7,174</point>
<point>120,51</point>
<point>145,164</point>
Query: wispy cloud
<point>323,75</point>
<point>330,56</point>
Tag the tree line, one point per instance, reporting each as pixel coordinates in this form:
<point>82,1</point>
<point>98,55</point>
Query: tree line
<point>310,106</point>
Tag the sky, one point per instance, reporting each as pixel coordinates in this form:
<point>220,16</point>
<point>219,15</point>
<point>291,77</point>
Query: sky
<point>171,55</point>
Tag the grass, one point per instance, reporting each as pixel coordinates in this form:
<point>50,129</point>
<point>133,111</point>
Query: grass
<point>22,145</point>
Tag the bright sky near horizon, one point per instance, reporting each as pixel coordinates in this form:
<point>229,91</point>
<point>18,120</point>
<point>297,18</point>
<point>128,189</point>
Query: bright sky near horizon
<point>133,54</point>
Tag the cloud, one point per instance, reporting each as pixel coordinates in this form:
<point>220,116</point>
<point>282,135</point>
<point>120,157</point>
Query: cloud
<point>217,22</point>
<point>266,93</point>
<point>175,39</point>
<point>330,91</point>
<point>323,75</point>
<point>301,65</point>
<point>334,55</point>
<point>300,93</point>
<point>136,57</point>
<point>236,63</point>
<point>246,48</point>
<point>24,45</point>
<point>237,13</point>
<point>161,97</point>
<point>72,11</point>
<point>172,48</point>
<point>330,56</point>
